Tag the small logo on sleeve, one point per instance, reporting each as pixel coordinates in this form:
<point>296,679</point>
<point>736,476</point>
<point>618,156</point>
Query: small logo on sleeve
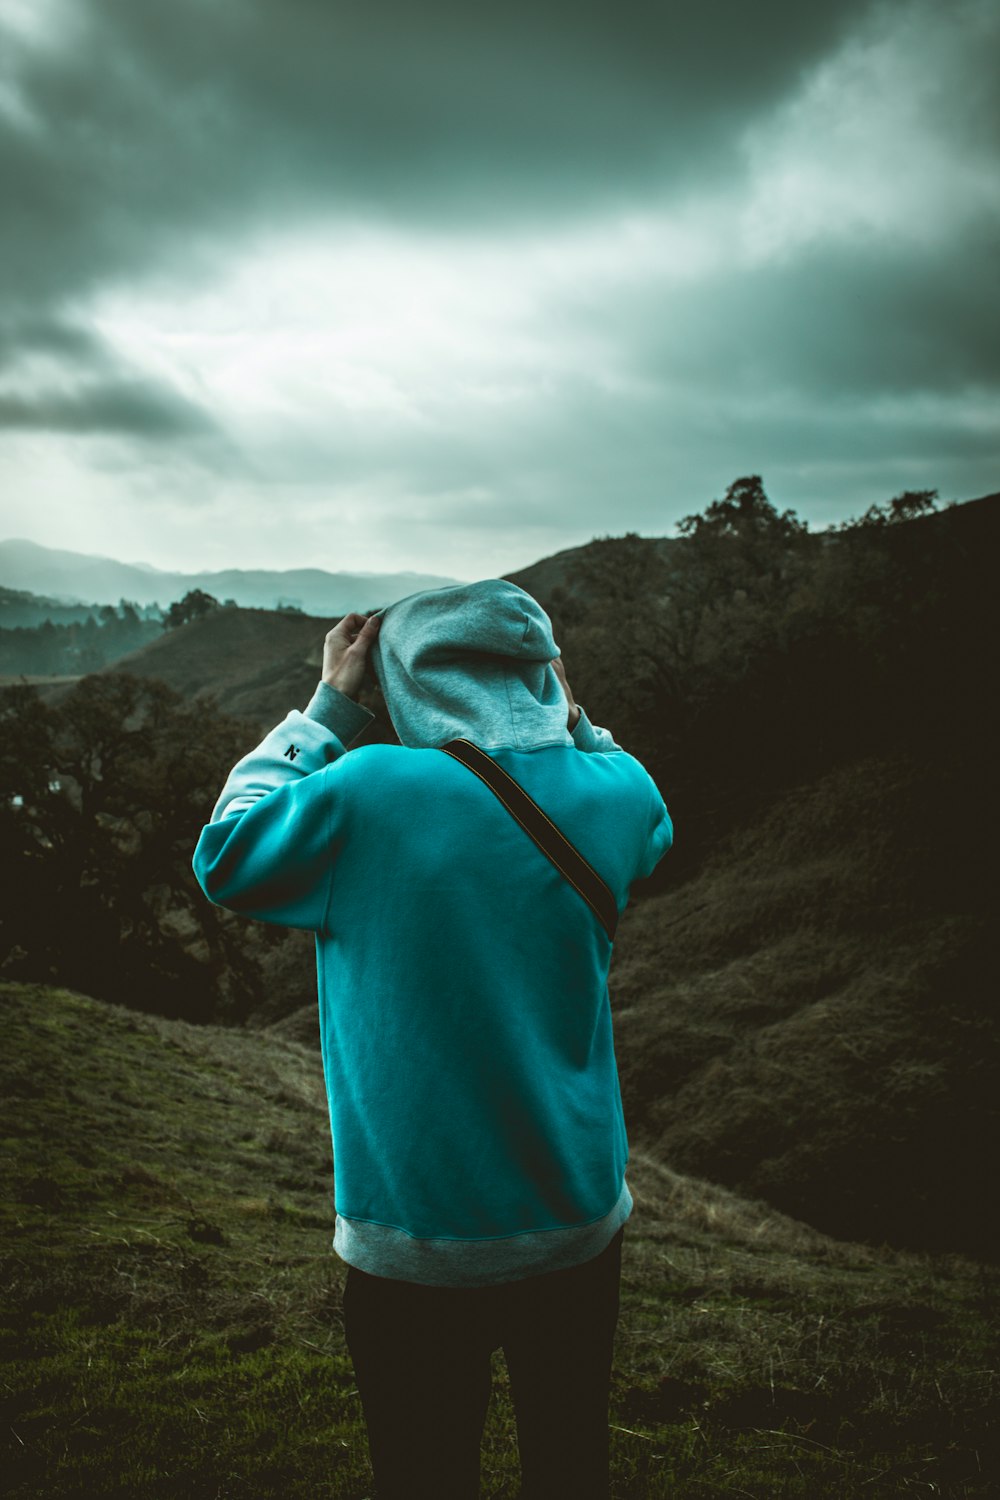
<point>292,752</point>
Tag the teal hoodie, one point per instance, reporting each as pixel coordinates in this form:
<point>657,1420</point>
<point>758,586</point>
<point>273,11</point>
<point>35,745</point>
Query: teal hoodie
<point>466,1031</point>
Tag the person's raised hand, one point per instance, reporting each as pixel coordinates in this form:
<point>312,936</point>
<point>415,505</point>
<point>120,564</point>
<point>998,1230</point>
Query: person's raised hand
<point>345,652</point>
<point>574,707</point>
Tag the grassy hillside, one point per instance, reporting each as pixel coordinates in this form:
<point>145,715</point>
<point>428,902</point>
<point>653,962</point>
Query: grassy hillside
<point>812,1018</point>
<point>256,663</point>
<point>172,1322</point>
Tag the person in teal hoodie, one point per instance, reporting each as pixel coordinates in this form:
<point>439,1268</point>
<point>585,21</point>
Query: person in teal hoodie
<point>478,1135</point>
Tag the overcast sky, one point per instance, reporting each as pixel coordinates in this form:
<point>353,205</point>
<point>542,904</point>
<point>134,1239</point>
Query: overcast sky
<point>379,284</point>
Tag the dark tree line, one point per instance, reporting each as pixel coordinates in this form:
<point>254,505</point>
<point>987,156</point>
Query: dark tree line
<point>102,798</point>
<point>97,639</point>
<point>76,647</point>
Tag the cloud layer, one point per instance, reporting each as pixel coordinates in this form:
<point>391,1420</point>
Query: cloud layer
<point>449,286</point>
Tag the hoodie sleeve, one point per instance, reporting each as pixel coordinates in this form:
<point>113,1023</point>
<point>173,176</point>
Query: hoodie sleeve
<point>660,836</point>
<point>340,714</point>
<point>266,851</point>
<point>587,737</point>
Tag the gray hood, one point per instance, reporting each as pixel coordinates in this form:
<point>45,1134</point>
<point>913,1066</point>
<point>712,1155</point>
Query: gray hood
<point>471,662</point>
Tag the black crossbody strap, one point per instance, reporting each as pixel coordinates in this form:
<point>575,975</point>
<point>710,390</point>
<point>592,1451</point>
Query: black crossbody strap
<point>538,826</point>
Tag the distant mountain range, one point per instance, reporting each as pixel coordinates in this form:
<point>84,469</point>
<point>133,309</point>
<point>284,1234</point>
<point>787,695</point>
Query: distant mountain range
<point>78,578</point>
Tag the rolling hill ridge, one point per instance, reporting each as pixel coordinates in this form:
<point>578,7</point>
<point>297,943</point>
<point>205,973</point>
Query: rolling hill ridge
<point>82,578</point>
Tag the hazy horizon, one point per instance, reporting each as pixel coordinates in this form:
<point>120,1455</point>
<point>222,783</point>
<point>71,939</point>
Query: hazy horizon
<point>190,569</point>
<point>148,567</point>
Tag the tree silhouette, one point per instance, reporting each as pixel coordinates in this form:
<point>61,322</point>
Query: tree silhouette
<point>744,511</point>
<point>101,801</point>
<point>194,606</point>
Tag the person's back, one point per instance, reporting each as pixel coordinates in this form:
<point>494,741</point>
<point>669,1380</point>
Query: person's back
<point>466,1028</point>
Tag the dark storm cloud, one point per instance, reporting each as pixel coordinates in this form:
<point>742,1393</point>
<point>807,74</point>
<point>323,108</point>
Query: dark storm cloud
<point>145,138</point>
<point>62,377</point>
<point>157,129</point>
<point>853,319</point>
<point>47,335</point>
<point>139,410</point>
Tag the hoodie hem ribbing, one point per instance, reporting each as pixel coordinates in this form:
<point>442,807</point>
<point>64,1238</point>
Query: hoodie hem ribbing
<point>384,1251</point>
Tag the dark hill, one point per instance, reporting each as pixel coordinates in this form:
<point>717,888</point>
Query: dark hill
<point>564,573</point>
<point>806,1006</point>
<point>256,664</point>
<point>813,1019</point>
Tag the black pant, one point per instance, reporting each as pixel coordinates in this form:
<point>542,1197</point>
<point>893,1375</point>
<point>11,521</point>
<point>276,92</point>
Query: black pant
<point>422,1359</point>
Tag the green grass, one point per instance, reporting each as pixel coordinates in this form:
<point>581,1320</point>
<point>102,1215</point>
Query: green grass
<point>172,1306</point>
